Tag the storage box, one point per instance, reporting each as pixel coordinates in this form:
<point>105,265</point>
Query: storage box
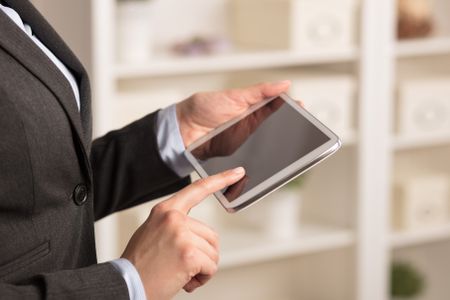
<point>330,98</point>
<point>421,202</point>
<point>300,25</point>
<point>424,107</point>
<point>134,31</point>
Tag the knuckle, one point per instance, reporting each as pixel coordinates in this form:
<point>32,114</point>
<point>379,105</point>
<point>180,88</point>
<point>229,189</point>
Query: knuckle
<point>208,185</point>
<point>213,236</point>
<point>172,217</point>
<point>214,269</point>
<point>263,86</point>
<point>198,96</point>
<point>187,254</point>
<point>225,177</point>
<point>216,258</point>
<point>159,208</point>
<point>197,184</point>
<point>215,240</point>
<point>200,183</point>
<point>234,94</point>
<point>204,185</point>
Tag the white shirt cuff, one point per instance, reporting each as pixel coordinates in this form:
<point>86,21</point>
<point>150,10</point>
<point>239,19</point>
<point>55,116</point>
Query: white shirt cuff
<point>170,142</point>
<point>131,276</point>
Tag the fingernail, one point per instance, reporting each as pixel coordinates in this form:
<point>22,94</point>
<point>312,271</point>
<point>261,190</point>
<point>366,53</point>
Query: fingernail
<point>282,82</point>
<point>239,171</point>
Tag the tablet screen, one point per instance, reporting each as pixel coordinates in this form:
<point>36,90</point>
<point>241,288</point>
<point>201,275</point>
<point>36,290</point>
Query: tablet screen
<point>264,143</point>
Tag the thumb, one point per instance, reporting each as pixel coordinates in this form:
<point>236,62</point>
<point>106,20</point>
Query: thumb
<point>262,91</point>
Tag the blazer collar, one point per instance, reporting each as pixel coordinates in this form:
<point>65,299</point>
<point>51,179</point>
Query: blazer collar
<point>23,49</point>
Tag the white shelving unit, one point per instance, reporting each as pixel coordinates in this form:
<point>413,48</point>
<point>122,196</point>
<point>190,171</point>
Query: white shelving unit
<point>175,66</point>
<point>425,249</point>
<point>423,47</point>
<point>346,254</point>
<point>414,142</point>
<point>420,237</point>
<point>242,248</point>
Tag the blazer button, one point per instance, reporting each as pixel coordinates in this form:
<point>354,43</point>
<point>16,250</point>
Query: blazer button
<point>80,194</point>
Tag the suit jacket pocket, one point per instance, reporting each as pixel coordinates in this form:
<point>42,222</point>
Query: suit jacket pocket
<point>25,259</point>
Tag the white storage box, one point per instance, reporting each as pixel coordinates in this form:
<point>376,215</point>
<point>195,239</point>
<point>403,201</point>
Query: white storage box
<point>330,98</point>
<point>134,31</point>
<point>421,202</point>
<point>300,25</point>
<point>424,107</point>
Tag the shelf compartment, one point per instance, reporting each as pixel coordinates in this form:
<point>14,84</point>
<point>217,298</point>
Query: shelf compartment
<point>242,248</point>
<point>416,142</point>
<point>173,66</point>
<point>423,47</point>
<point>432,263</point>
<point>419,237</point>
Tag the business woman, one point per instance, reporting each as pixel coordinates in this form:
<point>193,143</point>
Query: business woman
<point>55,182</point>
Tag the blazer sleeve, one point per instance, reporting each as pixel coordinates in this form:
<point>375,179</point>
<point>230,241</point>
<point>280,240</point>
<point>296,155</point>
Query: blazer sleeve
<point>128,169</point>
<point>100,281</point>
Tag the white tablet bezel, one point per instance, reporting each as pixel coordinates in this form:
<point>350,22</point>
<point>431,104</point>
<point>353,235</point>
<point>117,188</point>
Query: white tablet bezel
<point>278,179</point>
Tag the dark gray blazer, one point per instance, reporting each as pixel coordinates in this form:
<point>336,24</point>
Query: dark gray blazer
<point>54,183</point>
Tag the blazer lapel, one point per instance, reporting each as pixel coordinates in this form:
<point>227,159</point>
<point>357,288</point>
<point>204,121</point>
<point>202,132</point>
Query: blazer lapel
<point>48,36</point>
<point>23,49</point>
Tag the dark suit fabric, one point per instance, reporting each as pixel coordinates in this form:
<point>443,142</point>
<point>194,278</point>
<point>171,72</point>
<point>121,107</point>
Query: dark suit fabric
<point>47,247</point>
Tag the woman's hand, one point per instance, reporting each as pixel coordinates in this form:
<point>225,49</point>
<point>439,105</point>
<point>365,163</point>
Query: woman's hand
<point>202,112</point>
<point>172,251</point>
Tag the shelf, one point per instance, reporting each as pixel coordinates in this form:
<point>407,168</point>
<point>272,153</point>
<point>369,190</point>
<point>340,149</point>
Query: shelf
<point>423,47</point>
<point>420,237</point>
<point>240,248</point>
<point>432,140</point>
<point>173,66</point>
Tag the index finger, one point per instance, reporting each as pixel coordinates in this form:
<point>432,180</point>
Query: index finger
<point>195,193</point>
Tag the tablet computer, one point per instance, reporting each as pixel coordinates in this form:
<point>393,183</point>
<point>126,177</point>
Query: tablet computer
<point>275,141</point>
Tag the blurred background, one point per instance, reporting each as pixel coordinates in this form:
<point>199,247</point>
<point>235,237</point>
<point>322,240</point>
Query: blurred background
<point>372,222</point>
